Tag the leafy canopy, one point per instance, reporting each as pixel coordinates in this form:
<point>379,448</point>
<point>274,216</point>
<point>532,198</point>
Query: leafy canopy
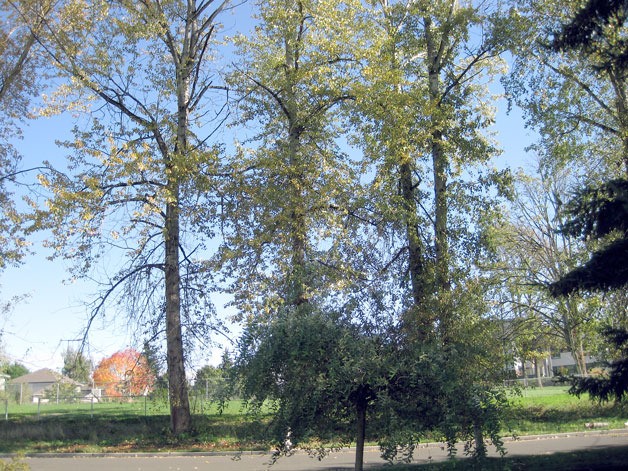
<point>125,373</point>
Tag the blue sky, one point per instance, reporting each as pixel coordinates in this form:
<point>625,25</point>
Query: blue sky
<point>39,327</point>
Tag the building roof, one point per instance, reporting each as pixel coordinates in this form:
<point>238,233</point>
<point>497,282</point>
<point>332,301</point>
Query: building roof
<point>45,375</point>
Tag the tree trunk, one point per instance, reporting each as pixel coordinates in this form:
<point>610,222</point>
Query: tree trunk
<point>297,284</point>
<point>537,371</point>
<point>571,334</point>
<point>298,291</point>
<point>420,320</point>
<point>180,418</point>
<point>442,283</point>
<point>581,362</point>
<point>478,438</point>
<point>441,244</point>
<point>440,166</point>
<point>361,407</point>
<point>574,344</point>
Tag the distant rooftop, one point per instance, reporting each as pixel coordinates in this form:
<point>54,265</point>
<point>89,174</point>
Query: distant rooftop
<point>45,375</point>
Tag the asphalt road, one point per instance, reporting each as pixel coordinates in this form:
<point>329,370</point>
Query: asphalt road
<point>302,462</point>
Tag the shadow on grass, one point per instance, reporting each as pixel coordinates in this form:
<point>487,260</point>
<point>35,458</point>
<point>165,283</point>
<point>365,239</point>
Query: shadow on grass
<point>81,433</point>
<point>597,459</point>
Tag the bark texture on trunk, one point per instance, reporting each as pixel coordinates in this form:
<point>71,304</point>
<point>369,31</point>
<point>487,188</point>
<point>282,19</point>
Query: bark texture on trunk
<point>180,418</point>
<point>572,335</point>
<point>478,438</point>
<point>441,243</point>
<point>420,320</point>
<point>297,283</point>
<point>361,407</point>
<point>436,51</point>
<point>298,286</point>
<point>537,371</point>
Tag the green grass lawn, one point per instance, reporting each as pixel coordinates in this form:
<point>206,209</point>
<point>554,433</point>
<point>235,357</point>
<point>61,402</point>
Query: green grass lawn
<point>115,409</point>
<point>553,410</point>
<point>124,426</point>
<point>144,426</point>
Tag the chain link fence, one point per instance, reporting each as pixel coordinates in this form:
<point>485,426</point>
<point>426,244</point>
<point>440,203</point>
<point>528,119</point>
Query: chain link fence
<point>116,399</point>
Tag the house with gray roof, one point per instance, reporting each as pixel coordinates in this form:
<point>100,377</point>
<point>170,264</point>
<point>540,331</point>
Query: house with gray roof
<point>40,381</point>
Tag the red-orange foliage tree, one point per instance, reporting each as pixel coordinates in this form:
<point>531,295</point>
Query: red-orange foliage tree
<point>125,373</point>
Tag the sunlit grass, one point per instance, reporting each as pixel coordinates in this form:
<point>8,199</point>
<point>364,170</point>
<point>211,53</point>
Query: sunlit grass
<point>126,426</point>
<point>553,410</point>
<point>144,426</point>
<point>139,406</point>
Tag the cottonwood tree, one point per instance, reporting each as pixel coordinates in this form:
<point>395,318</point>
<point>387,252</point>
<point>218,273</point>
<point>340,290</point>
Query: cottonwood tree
<point>424,119</point>
<point>288,207</point>
<point>425,106</point>
<point>139,180</point>
<point>291,77</point>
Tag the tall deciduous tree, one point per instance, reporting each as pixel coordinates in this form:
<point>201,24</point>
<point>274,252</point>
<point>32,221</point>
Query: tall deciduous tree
<point>424,120</point>
<point>293,74</point>
<point>290,202</point>
<point>425,111</point>
<point>76,365</point>
<point>139,178</point>
<point>576,103</point>
<point>535,253</point>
